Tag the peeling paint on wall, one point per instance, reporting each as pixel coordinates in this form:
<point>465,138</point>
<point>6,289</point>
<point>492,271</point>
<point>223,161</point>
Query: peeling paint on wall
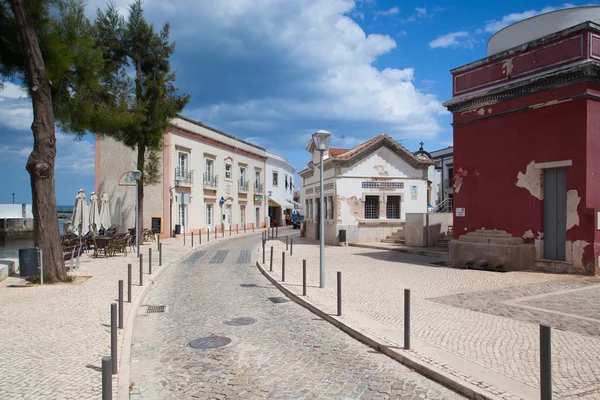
<point>507,67</point>
<point>531,180</point>
<point>458,179</point>
<point>380,170</point>
<point>549,103</point>
<point>528,235</point>
<point>572,203</point>
<point>577,249</point>
<point>352,206</point>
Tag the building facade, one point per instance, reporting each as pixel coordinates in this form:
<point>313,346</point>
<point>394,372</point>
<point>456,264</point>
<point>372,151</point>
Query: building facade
<point>209,180</point>
<point>280,188</point>
<point>439,177</point>
<point>367,190</point>
<point>526,133</point>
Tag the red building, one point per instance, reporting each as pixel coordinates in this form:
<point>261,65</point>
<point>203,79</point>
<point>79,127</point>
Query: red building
<point>527,147</point>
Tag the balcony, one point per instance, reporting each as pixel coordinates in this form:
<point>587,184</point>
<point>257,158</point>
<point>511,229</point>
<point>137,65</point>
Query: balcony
<point>211,181</point>
<point>184,177</point>
<point>243,186</point>
<point>259,188</point>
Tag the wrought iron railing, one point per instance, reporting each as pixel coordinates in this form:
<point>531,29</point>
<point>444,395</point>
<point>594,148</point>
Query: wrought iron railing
<point>210,180</point>
<point>259,188</point>
<point>184,176</point>
<point>243,186</point>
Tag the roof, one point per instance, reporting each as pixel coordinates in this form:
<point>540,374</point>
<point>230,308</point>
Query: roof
<point>336,152</point>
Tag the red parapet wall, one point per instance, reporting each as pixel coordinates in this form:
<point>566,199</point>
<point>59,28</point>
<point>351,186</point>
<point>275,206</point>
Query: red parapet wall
<point>559,53</point>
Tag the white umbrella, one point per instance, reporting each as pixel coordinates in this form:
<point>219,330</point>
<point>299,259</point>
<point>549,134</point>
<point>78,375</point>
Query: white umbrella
<point>94,215</point>
<point>104,212</point>
<point>80,214</point>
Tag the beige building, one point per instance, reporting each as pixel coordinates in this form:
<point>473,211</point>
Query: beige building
<point>368,190</point>
<point>210,180</point>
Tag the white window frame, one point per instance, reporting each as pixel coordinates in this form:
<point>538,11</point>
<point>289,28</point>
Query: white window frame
<point>275,178</point>
<point>242,214</point>
<point>209,166</point>
<point>209,215</point>
<point>230,170</point>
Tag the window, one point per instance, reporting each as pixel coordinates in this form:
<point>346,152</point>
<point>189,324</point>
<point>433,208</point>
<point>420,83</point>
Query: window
<point>450,177</point>
<point>286,183</point>
<point>371,207</point>
<point>182,161</point>
<point>228,171</point>
<point>306,210</point>
<point>330,207</point>
<point>326,207</point>
<point>392,209</point>
<point>208,215</point>
<point>242,215</point>
<point>182,216</point>
<point>275,178</point>
<point>209,168</point>
<point>257,178</point>
<point>310,208</point>
<point>242,175</point>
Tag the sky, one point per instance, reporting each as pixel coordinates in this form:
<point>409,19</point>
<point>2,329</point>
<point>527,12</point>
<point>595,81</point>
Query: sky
<point>274,71</point>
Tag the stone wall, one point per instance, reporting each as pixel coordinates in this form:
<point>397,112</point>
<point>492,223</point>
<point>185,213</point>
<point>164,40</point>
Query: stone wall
<point>10,227</point>
<point>415,228</point>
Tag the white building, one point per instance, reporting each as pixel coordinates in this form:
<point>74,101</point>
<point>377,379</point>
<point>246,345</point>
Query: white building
<point>367,190</point>
<point>280,187</point>
<point>440,177</point>
<point>209,180</point>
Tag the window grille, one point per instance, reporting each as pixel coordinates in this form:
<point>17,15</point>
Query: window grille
<point>392,209</point>
<point>371,207</point>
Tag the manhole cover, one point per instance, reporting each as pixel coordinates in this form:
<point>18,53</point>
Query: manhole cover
<point>240,321</point>
<point>278,300</point>
<point>210,342</point>
<point>155,309</point>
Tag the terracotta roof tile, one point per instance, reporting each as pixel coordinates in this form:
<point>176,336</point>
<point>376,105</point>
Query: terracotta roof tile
<point>333,152</point>
<point>349,153</point>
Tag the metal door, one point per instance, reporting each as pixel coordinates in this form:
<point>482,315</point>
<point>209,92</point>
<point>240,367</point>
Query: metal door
<point>555,213</point>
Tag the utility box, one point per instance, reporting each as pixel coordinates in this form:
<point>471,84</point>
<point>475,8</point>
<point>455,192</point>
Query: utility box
<point>178,229</point>
<point>342,237</point>
<point>28,262</point>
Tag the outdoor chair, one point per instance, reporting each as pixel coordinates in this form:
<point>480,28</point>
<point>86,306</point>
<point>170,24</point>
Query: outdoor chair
<point>119,244</point>
<point>101,245</point>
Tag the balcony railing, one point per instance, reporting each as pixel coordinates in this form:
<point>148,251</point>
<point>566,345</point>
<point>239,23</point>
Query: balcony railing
<point>183,176</point>
<point>210,181</point>
<point>243,186</point>
<point>258,188</point>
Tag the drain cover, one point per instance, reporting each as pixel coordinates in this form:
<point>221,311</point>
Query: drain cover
<point>210,342</point>
<point>240,321</point>
<point>278,300</point>
<point>248,285</point>
<point>155,309</point>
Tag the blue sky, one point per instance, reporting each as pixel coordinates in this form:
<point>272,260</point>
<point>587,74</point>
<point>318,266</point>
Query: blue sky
<point>274,71</point>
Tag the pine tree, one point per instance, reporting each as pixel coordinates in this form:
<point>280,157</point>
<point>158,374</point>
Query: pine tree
<point>150,94</point>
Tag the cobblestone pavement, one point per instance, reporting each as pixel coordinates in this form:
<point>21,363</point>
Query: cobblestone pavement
<point>54,336</point>
<point>489,319</point>
<point>289,353</point>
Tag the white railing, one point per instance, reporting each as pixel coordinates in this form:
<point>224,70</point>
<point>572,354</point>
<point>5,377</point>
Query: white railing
<point>443,207</point>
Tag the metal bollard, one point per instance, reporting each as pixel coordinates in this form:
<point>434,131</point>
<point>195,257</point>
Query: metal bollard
<point>184,238</point>
<point>192,238</point>
<point>283,266</point>
<point>303,277</point>
<point>223,231</point>
<point>271,267</point>
<point>277,231</point>
<point>160,255</point>
<point>237,229</point>
<point>200,236</point>
<point>244,228</point>
<point>229,229</point>
<point>287,247</point>
<point>216,229</point>
<point>158,243</point>
<point>129,283</point>
<point>141,270</point>
<point>253,228</point>
<point>263,244</point>
<point>150,261</point>
<point>339,293</point>
<point>291,245</point>
<point>113,337</point>
<point>545,363</point>
<point>106,378</point>
<point>208,234</point>
<point>406,319</point>
<point>120,304</point>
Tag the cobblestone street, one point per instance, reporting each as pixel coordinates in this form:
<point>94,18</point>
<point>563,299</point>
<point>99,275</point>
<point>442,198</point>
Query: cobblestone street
<point>288,353</point>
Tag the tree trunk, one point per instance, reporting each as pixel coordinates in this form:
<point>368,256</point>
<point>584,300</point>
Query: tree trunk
<point>40,164</point>
<point>141,158</point>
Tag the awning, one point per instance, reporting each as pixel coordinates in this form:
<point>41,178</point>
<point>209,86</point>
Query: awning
<point>280,202</point>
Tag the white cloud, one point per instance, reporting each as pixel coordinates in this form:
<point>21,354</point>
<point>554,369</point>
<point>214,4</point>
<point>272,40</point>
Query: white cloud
<point>387,13</point>
<point>421,12</point>
<point>494,26</point>
<point>452,39</point>
<point>12,91</point>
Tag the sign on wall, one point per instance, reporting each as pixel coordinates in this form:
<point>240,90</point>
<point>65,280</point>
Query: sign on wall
<point>460,212</point>
<point>414,190</point>
<point>382,185</point>
<point>258,197</point>
<point>127,179</point>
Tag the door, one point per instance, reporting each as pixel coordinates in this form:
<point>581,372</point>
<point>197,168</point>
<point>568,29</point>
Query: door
<point>257,223</point>
<point>209,216</point>
<point>228,216</point>
<point>555,213</point>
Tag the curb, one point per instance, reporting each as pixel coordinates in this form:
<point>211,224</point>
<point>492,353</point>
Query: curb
<point>125,354</point>
<point>431,372</point>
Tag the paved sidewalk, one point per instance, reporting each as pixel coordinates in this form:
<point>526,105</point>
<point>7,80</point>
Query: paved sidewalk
<point>479,327</point>
<point>54,336</point>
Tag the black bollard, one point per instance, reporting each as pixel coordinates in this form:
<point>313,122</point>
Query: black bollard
<point>150,261</point>
<point>160,255</point>
<point>244,228</point>
<point>113,337</point>
<point>120,304</point>
<point>303,277</point>
<point>283,266</point>
<point>157,242</point>
<point>339,293</point>
<point>406,319</point>
<point>271,267</point>
<point>230,230</point>
<point>216,232</point>
<point>192,238</point>
<point>106,378</point>
<point>129,283</point>
<point>287,247</point>
<point>237,229</point>
<point>545,363</point>
<point>199,236</point>
<point>208,234</point>
<point>291,245</point>
<point>141,270</point>
<point>223,231</point>
<point>263,244</point>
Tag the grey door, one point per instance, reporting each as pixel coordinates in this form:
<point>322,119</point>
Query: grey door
<point>555,213</point>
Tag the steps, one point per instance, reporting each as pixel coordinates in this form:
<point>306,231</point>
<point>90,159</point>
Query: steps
<point>396,237</point>
<point>443,241</point>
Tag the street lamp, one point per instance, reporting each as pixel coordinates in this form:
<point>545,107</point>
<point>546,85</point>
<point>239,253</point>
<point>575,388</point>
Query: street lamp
<point>137,175</point>
<point>321,139</point>
<point>269,195</point>
<point>13,198</point>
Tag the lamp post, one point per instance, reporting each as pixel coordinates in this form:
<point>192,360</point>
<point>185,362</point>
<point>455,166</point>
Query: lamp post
<point>13,198</point>
<point>137,175</point>
<point>269,194</point>
<point>321,139</point>
<point>171,211</point>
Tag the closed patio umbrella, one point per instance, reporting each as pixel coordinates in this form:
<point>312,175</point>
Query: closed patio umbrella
<point>104,212</point>
<point>80,219</point>
<point>94,214</point>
